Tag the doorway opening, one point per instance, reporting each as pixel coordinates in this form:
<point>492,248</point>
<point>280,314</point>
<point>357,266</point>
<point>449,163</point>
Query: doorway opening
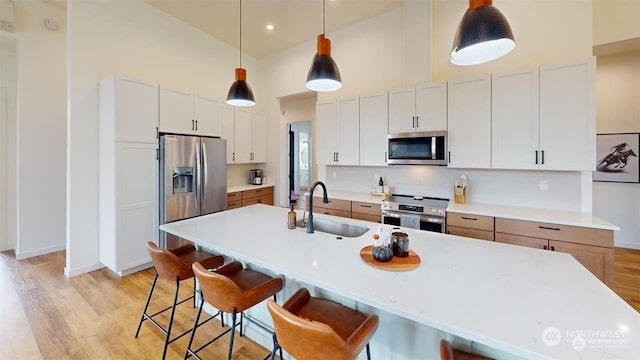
<point>300,169</point>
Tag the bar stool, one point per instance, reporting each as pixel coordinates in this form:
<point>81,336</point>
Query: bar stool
<point>311,328</point>
<point>232,289</point>
<point>449,353</point>
<point>175,265</point>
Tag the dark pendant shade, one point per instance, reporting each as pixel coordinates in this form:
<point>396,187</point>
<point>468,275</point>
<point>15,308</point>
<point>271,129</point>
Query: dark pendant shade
<point>484,34</point>
<point>240,93</point>
<point>323,74</point>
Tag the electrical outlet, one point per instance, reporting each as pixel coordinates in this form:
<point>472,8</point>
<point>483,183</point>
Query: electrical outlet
<point>544,185</point>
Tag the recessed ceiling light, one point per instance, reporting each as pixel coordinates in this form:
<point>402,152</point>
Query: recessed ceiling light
<point>269,27</point>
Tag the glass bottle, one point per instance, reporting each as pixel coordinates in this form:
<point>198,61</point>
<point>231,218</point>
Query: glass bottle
<point>292,218</point>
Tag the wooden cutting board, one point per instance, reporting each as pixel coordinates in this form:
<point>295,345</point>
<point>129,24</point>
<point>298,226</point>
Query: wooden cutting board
<point>395,264</point>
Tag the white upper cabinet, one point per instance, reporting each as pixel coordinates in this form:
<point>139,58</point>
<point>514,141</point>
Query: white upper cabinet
<point>515,120</point>
<point>246,135</point>
<point>182,112</point>
<point>567,116</point>
<point>258,137</point>
<point>338,132</point>
<point>132,105</point>
<point>374,111</point>
<point>326,130</point>
<point>348,134</point>
<point>420,108</point>
<point>469,123</point>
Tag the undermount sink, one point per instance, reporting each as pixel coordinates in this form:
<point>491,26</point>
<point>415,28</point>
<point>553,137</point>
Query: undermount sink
<point>334,227</point>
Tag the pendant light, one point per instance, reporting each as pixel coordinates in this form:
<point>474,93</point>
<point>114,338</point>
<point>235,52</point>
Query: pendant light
<point>483,35</point>
<point>323,74</point>
<point>240,93</point>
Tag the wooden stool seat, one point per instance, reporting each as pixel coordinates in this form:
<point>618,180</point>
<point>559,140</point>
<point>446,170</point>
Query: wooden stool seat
<point>312,328</point>
<point>175,265</point>
<point>232,289</point>
<point>447,352</point>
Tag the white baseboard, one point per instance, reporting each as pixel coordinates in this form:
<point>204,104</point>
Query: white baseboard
<point>85,269</point>
<point>627,245</point>
<point>134,269</point>
<point>38,252</point>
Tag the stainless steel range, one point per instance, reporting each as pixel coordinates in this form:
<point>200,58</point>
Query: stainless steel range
<point>415,212</point>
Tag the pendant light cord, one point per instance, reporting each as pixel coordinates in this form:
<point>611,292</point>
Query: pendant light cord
<point>241,33</point>
<point>324,21</point>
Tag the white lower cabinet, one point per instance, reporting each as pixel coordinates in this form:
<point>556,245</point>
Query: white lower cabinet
<point>469,123</point>
<point>128,189</point>
<point>246,134</point>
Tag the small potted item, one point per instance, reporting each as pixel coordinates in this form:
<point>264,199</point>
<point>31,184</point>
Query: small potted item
<point>400,243</point>
<point>382,253</point>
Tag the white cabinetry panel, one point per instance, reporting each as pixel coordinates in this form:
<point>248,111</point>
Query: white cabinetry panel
<point>373,129</point>
<point>242,135</point>
<point>402,110</point>
<point>348,131</point>
<point>469,124</point>
<point>326,132</point>
<point>176,111</point>
<point>136,109</point>
<point>258,137</point>
<point>206,112</point>
<point>431,107</point>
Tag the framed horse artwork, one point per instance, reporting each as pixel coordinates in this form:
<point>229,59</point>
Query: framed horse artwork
<point>617,158</point>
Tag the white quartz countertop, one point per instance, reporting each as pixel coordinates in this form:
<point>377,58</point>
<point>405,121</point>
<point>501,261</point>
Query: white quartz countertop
<point>532,214</point>
<point>233,189</point>
<point>350,196</point>
<point>500,295</point>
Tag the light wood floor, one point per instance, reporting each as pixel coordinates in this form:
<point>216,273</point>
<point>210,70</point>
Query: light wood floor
<point>44,315</point>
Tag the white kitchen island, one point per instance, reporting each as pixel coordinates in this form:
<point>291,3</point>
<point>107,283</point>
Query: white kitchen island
<point>498,296</point>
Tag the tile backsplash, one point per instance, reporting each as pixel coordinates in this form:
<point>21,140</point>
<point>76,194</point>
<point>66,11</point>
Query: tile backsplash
<point>500,187</point>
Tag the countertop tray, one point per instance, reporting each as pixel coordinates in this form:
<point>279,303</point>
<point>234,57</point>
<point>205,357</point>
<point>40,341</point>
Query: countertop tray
<point>395,264</point>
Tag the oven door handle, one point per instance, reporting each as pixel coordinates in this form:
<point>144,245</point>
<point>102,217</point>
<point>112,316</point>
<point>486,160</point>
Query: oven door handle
<point>433,220</point>
<point>390,214</point>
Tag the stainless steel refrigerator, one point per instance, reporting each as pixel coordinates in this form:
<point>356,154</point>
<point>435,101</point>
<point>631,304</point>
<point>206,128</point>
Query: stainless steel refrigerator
<point>193,180</point>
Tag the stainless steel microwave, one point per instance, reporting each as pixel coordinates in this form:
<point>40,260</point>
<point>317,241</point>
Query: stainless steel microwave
<point>419,148</point>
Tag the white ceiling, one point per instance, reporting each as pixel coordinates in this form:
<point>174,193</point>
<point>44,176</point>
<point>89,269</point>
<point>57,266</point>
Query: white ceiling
<point>295,21</point>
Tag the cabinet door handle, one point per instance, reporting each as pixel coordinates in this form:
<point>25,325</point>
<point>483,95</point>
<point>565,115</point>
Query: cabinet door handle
<point>542,153</point>
<point>553,248</point>
<point>157,132</point>
<point>193,124</point>
<point>337,157</point>
<point>365,206</point>
<point>536,157</point>
<point>449,157</point>
<point>549,228</point>
<point>385,156</point>
<point>413,121</point>
<point>196,125</point>
<point>545,247</point>
<point>259,190</point>
<point>417,121</point>
<point>157,154</point>
<point>468,218</point>
<point>233,154</point>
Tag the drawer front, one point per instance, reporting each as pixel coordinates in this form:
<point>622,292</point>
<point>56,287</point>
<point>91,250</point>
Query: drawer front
<point>234,196</point>
<point>265,199</point>
<point>470,221</point>
<point>522,241</point>
<point>574,234</point>
<point>366,217</point>
<point>335,204</point>
<point>249,194</point>
<point>470,233</point>
<point>234,204</point>
<point>365,208</point>
<point>334,212</point>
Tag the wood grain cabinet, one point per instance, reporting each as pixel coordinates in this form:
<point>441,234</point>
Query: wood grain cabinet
<point>366,211</point>
<point>249,197</point>
<point>472,226</point>
<point>593,248</point>
<point>335,207</point>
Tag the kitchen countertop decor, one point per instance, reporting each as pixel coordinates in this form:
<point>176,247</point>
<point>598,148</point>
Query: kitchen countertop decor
<point>504,297</point>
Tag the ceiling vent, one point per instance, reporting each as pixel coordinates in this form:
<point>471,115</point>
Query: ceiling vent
<point>6,15</point>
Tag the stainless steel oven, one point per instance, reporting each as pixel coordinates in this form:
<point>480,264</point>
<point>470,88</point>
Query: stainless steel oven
<point>415,212</point>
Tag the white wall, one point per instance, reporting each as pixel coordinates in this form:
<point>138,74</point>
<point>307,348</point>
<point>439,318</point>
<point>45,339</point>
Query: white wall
<point>618,110</point>
<point>133,38</point>
<point>615,20</point>
<point>8,153</point>
<point>41,135</point>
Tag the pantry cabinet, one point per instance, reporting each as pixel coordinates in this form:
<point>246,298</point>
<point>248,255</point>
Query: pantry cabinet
<point>183,112</point>
<point>128,169</point>
<point>338,145</point>
<point>246,135</point>
<point>419,108</point>
<point>469,124</point>
<point>373,129</point>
